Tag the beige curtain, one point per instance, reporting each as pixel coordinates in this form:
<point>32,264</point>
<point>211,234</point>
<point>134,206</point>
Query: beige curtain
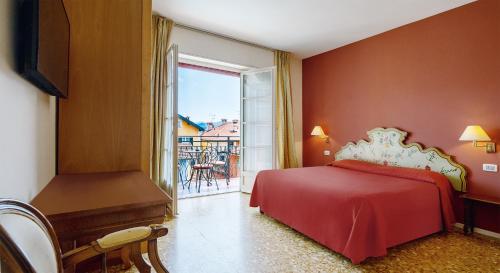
<point>162,28</point>
<point>287,157</point>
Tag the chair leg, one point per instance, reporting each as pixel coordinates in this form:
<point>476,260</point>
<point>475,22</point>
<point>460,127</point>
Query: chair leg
<point>138,260</point>
<point>190,179</point>
<point>125,256</point>
<point>104,265</point>
<point>215,179</point>
<point>154,258</point>
<point>199,174</point>
<point>195,180</point>
<point>209,175</point>
<point>212,174</point>
<point>181,180</point>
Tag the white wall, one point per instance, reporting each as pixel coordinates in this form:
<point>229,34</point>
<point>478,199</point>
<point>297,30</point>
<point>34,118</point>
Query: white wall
<point>27,122</point>
<point>211,47</point>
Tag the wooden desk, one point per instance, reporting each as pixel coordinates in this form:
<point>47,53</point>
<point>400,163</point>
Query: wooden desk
<point>469,201</point>
<point>84,207</point>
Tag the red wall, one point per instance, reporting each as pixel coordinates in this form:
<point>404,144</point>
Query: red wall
<point>431,78</point>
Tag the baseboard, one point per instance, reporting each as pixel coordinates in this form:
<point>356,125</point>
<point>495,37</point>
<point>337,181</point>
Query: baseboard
<point>480,231</point>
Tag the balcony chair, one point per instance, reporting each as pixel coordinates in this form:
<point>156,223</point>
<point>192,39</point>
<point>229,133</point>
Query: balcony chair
<point>184,160</point>
<point>28,244</point>
<point>221,165</point>
<point>204,168</point>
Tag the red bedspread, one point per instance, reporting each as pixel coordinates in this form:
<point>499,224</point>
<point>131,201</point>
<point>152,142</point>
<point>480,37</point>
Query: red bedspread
<point>356,208</point>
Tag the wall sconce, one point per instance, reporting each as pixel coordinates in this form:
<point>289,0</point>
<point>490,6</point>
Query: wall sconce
<point>475,133</point>
<point>318,131</point>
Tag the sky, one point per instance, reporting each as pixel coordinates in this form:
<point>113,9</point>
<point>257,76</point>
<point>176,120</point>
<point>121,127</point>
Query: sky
<point>206,96</point>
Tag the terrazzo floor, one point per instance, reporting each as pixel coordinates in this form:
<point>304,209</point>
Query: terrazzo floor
<point>221,233</point>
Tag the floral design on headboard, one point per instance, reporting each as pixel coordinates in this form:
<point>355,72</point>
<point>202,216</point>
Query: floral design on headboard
<point>386,147</point>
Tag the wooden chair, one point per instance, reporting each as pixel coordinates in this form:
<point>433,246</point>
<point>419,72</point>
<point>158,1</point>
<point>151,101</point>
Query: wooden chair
<point>28,244</point>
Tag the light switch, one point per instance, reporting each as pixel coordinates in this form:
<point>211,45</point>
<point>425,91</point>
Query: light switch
<point>490,168</point>
<point>326,152</point>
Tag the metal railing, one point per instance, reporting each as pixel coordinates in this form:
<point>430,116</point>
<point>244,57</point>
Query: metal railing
<point>190,152</point>
<point>228,144</point>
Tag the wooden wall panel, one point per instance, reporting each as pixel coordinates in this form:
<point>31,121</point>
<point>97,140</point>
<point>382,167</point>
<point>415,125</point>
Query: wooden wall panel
<point>104,123</point>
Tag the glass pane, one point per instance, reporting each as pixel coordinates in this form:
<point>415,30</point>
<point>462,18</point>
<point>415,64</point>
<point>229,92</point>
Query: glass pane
<point>257,159</point>
<point>258,109</point>
<point>264,158</point>
<point>257,135</point>
<point>249,160</point>
<point>258,84</point>
<point>167,168</point>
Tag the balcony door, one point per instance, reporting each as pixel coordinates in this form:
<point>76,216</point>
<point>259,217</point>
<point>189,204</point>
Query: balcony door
<point>258,124</point>
<point>170,128</point>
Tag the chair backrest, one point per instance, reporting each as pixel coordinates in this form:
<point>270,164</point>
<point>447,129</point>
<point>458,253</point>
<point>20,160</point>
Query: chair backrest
<point>224,157</point>
<point>208,156</point>
<point>28,242</point>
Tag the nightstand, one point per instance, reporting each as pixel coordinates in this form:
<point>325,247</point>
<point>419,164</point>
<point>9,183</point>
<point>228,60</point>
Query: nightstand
<point>469,201</point>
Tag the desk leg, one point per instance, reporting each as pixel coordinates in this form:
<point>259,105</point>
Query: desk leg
<point>104,264</point>
<point>468,217</point>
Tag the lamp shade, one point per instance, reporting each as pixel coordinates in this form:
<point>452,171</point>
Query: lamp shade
<point>317,131</point>
<point>474,133</point>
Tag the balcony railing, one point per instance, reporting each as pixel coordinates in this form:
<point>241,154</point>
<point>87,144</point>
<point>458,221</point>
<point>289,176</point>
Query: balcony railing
<point>190,149</point>
<point>229,144</point>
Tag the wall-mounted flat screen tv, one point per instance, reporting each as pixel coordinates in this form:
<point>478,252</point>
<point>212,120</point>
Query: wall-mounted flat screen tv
<point>45,32</point>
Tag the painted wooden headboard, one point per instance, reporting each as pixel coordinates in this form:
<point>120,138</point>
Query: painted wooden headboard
<point>386,147</point>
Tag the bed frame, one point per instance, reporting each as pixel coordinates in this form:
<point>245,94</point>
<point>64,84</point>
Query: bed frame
<point>386,147</point>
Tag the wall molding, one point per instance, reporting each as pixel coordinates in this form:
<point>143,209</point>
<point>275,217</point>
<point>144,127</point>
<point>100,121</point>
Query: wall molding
<point>480,231</point>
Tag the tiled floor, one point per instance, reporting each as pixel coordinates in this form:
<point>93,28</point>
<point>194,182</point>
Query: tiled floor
<point>221,233</point>
<point>234,186</point>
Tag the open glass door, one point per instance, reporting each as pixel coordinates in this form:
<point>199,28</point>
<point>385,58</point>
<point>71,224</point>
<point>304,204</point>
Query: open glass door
<point>257,124</point>
<point>170,126</point>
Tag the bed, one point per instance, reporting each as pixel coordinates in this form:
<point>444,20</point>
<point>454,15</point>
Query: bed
<point>375,195</point>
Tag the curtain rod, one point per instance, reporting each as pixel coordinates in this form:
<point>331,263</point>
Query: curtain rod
<point>222,36</point>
